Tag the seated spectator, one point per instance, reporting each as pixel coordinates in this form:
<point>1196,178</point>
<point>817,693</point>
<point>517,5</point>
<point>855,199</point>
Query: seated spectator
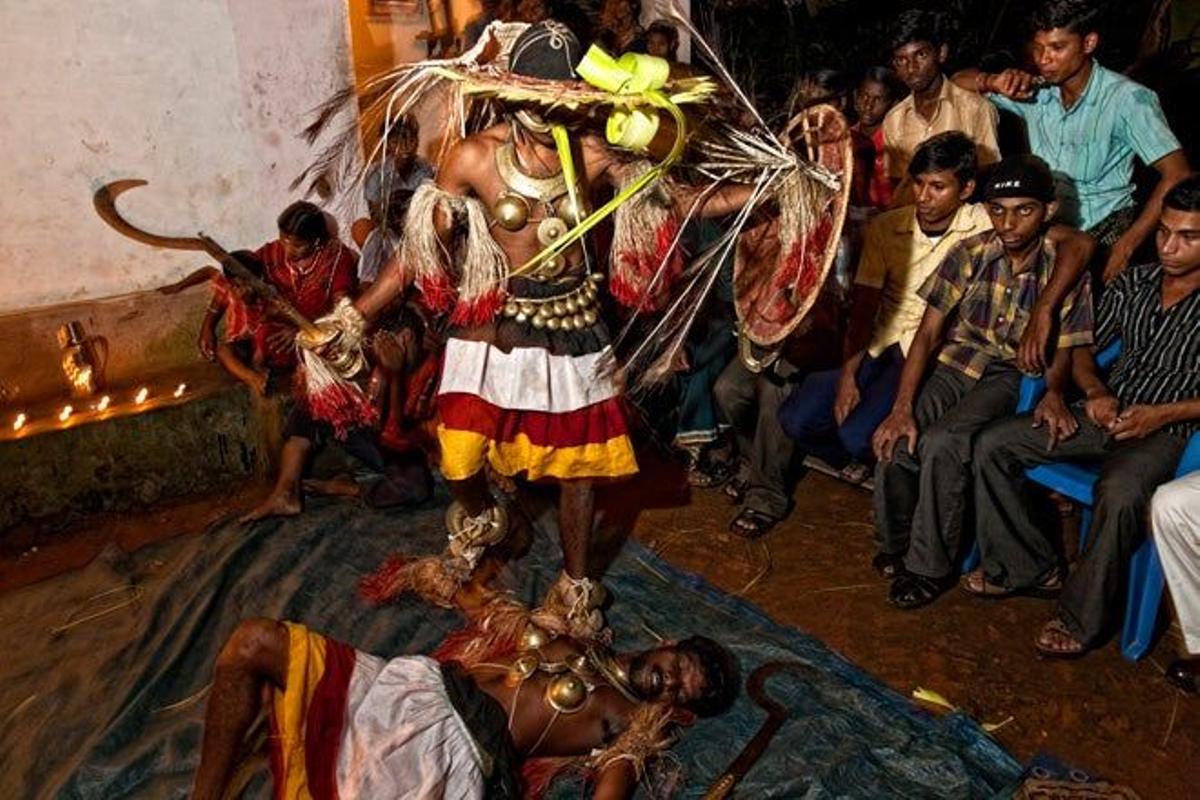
<point>1089,123</point>
<point>241,348</point>
<point>712,343</point>
<point>978,303</point>
<point>618,27</point>
<point>833,414</point>
<point>1135,422</point>
<point>387,188</point>
<point>818,86</point>
<point>312,270</point>
<point>935,105</point>
<point>310,267</point>
<point>1175,522</point>
<point>662,40</point>
<point>878,91</point>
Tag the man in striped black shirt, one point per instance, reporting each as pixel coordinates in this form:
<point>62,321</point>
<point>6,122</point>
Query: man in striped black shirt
<point>1135,420</point>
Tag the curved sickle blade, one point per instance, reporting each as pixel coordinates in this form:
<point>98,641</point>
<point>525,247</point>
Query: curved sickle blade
<point>105,202</point>
<point>777,714</point>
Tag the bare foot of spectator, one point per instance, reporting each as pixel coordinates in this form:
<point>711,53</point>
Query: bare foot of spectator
<point>276,505</point>
<point>337,486</point>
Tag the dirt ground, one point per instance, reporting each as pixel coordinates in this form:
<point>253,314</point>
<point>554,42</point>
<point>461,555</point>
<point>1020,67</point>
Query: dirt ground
<point>1116,719</point>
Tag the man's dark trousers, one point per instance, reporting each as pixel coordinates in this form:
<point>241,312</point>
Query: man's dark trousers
<point>1016,553</point>
<point>750,403</point>
<point>807,414</point>
<point>919,500</point>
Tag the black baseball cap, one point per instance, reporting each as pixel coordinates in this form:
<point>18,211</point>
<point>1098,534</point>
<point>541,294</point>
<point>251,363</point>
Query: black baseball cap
<point>1020,176</point>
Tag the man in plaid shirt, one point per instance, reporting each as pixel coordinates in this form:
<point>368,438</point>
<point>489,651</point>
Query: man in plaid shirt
<point>979,302</point>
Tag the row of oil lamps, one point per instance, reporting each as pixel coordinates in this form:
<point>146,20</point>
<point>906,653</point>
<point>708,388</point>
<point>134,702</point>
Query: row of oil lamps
<point>101,405</point>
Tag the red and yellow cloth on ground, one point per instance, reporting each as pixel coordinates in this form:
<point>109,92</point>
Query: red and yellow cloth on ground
<point>307,717</point>
<point>530,411</point>
<point>352,725</point>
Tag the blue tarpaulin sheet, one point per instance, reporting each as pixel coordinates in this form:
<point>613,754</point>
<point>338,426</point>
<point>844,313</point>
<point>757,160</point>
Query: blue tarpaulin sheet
<point>112,707</point>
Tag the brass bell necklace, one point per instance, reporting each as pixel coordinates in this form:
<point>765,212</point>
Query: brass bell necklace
<point>572,680</point>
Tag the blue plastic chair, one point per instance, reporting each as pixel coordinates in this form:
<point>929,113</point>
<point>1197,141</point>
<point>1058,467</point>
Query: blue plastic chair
<point>1076,481</point>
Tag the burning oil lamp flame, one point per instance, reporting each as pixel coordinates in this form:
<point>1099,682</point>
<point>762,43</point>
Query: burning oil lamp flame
<point>141,396</point>
<point>103,404</point>
<point>65,414</point>
<point>180,389</point>
<point>19,422</point>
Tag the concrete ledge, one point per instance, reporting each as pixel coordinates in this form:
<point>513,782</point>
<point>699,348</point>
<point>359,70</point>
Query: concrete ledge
<point>130,462</point>
<point>127,454</point>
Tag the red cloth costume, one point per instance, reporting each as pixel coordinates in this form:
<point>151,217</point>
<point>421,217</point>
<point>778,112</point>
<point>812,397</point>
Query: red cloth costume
<point>311,285</point>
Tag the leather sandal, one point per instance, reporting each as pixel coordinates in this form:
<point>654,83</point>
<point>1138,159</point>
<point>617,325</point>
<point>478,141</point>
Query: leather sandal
<point>976,584</point>
<point>752,524</point>
<point>889,565</point>
<point>1054,640</point>
<point>909,591</point>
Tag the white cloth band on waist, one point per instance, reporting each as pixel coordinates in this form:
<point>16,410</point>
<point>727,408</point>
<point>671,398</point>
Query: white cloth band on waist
<point>527,378</point>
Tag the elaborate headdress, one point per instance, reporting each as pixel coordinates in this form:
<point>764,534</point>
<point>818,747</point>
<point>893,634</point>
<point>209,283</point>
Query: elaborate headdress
<point>538,67</point>
<point>547,50</point>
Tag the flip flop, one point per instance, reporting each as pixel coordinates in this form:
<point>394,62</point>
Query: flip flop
<point>735,489</point>
<point>1056,627</point>
<point>976,584</point>
<point>752,524</point>
<point>909,591</point>
<point>701,476</point>
<point>889,565</point>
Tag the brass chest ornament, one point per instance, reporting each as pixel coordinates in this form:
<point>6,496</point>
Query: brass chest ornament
<point>511,211</point>
<point>514,207</point>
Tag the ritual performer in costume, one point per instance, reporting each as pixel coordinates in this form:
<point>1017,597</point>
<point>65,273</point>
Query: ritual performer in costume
<point>349,724</point>
<point>496,243</point>
<point>311,268</point>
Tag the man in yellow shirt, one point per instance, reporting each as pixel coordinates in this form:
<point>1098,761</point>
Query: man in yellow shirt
<point>833,414</point>
<point>935,104</point>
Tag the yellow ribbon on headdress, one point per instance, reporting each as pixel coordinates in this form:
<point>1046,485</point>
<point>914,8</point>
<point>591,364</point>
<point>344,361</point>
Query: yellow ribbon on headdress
<point>638,81</point>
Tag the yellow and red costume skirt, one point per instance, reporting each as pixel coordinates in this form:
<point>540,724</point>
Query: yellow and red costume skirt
<point>352,725</point>
<point>545,406</point>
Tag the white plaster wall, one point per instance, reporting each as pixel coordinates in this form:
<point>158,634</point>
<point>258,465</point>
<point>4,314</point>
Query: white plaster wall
<point>203,98</point>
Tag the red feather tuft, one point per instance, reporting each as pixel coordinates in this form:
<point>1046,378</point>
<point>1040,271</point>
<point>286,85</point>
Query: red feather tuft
<point>342,405</point>
<point>437,292</point>
<point>477,310</point>
<point>633,281</point>
<point>380,586</point>
<point>538,773</point>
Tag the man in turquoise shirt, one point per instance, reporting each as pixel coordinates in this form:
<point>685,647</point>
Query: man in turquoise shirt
<point>1088,123</point>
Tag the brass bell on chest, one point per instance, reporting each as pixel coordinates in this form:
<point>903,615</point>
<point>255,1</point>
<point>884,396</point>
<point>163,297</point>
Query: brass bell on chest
<point>522,668</point>
<point>566,693</point>
<point>533,638</point>
<point>573,213</point>
<point>511,211</point>
<point>550,230</point>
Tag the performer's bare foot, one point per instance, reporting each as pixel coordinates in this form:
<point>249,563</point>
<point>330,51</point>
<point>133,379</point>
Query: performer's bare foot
<point>572,607</point>
<point>338,486</point>
<point>276,505</point>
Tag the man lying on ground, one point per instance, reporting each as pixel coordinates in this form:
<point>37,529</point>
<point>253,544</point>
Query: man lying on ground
<point>349,724</point>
